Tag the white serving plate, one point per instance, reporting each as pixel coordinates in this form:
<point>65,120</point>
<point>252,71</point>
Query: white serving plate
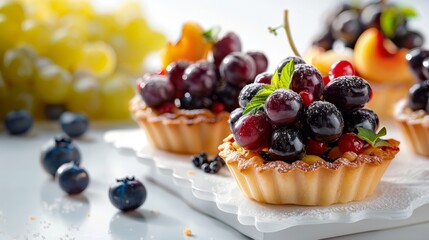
<point>403,189</point>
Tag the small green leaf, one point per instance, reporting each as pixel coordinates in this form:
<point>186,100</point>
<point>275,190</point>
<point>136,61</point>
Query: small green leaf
<point>275,80</point>
<point>257,102</point>
<point>381,133</point>
<point>388,22</point>
<point>407,11</point>
<point>211,34</point>
<point>382,143</point>
<point>286,74</point>
<point>373,138</point>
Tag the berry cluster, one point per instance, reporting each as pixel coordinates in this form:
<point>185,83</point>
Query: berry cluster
<point>296,114</point>
<point>213,85</point>
<point>418,61</point>
<point>348,21</point>
<point>209,166</point>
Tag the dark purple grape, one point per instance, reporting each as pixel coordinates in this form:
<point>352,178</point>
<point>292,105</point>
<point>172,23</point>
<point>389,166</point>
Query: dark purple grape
<point>339,9</point>
<point>418,96</point>
<point>175,72</point>
<point>283,107</point>
<point>307,78</point>
<point>364,118</point>
<point>325,40</point>
<point>253,131</point>
<point>264,77</point>
<point>415,59</point>
<point>238,69</point>
<point>200,79</point>
<point>347,27</point>
<point>370,16</point>
<point>323,122</point>
<point>426,68</point>
<point>348,93</point>
<point>156,90</point>
<point>248,92</point>
<point>229,43</point>
<point>228,95</point>
<point>190,102</point>
<point>409,39</point>
<point>287,144</point>
<point>260,59</point>
<point>234,116</point>
<point>296,61</point>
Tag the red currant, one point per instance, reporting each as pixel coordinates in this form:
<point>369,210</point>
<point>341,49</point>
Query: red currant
<point>350,142</point>
<point>307,98</point>
<point>167,107</point>
<point>315,147</point>
<point>341,68</point>
<point>218,107</point>
<point>326,80</point>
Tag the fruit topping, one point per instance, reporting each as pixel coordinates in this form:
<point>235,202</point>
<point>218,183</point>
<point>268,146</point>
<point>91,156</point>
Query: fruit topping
<point>199,79</point>
<point>175,72</point>
<point>350,142</point>
<point>238,69</point>
<point>72,178</point>
<point>156,90</point>
<point>234,116</point>
<point>18,122</point>
<point>253,131</point>
<point>307,78</point>
<point>74,124</point>
<point>283,107</point>
<point>415,58</point>
<point>418,96</point>
<point>261,61</point>
<point>315,147</point>
<point>127,194</point>
<point>57,152</point>
<point>307,98</point>
<point>248,92</point>
<point>225,45</point>
<point>264,77</point>
<point>341,68</point>
<point>287,144</point>
<point>364,118</point>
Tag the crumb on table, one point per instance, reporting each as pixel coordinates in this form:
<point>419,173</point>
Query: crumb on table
<point>31,218</point>
<point>190,173</point>
<point>187,232</point>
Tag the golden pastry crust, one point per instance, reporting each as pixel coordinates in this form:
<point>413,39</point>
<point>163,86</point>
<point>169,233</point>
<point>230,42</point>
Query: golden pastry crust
<point>183,131</point>
<point>321,183</point>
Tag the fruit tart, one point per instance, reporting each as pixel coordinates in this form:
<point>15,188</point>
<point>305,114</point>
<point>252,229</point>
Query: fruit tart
<point>185,108</point>
<point>375,38</point>
<point>297,141</point>
<point>412,113</point>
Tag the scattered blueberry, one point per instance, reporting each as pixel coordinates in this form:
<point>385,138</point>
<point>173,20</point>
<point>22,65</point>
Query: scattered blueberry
<point>127,194</point>
<point>74,124</point>
<point>202,162</point>
<point>215,166</point>
<point>58,152</point>
<point>199,160</point>
<point>206,167</point>
<point>18,122</point>
<point>72,178</point>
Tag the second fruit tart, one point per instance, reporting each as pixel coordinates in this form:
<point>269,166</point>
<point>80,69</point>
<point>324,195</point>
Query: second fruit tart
<point>296,141</point>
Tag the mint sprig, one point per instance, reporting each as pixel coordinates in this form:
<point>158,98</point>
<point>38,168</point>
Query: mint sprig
<point>373,138</point>
<point>393,17</point>
<point>211,35</point>
<point>277,82</point>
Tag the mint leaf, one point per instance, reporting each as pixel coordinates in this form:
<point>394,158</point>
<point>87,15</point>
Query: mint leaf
<point>275,80</point>
<point>407,11</point>
<point>211,35</point>
<point>373,138</point>
<point>286,74</point>
<point>388,22</point>
<point>257,102</point>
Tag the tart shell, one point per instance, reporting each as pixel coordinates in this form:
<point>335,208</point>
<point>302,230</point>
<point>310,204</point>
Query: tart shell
<point>318,184</point>
<point>184,131</point>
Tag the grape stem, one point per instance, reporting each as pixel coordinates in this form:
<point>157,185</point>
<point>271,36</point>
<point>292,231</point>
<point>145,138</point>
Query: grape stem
<point>288,33</point>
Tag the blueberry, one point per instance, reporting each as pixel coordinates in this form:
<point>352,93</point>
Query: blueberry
<point>74,124</point>
<point>364,118</point>
<point>248,92</point>
<point>418,96</point>
<point>219,159</point>
<point>127,194</point>
<point>287,144</point>
<point>72,178</point>
<point>206,167</point>
<point>215,166</point>
<point>199,160</point>
<point>58,152</point>
<point>18,122</point>
<point>190,102</point>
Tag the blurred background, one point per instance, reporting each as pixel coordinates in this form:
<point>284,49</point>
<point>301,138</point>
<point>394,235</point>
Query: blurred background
<point>84,56</point>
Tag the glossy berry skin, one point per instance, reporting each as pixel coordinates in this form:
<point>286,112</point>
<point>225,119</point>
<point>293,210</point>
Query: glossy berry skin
<point>307,78</point>
<point>418,96</point>
<point>234,116</point>
<point>18,122</point>
<point>347,27</point>
<point>315,147</point>
<point>167,107</point>
<point>190,102</point>
<point>215,166</point>
<point>127,194</point>
<point>218,107</point>
<point>283,107</point>
<point>228,95</point>
<point>323,122</point>
<point>364,118</point>
<point>252,131</point>
<point>307,98</point>
<point>74,124</point>
<point>296,61</point>
<point>72,178</point>
<point>350,142</point>
<point>174,72</point>
<point>57,152</point>
<point>348,93</point>
<point>227,44</point>
<point>156,90</point>
<point>200,79</point>
<point>238,69</point>
<point>199,160</point>
<point>264,77</point>
<point>341,68</point>
<point>261,61</point>
<point>287,144</point>
<point>415,59</point>
<point>248,92</point>
<point>54,111</point>
<point>405,38</point>
<point>426,68</point>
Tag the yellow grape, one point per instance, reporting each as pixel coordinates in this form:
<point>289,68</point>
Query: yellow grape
<point>18,67</point>
<point>3,97</point>
<point>35,33</point>
<point>13,10</point>
<point>18,99</point>
<point>74,23</point>
<point>63,7</point>
<point>98,58</point>
<point>65,49</point>
<point>9,32</point>
<point>101,27</point>
<point>85,97</point>
<point>127,11</point>
<point>53,84</point>
<point>116,93</point>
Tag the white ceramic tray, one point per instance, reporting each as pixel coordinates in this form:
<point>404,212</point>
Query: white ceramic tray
<point>403,189</point>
